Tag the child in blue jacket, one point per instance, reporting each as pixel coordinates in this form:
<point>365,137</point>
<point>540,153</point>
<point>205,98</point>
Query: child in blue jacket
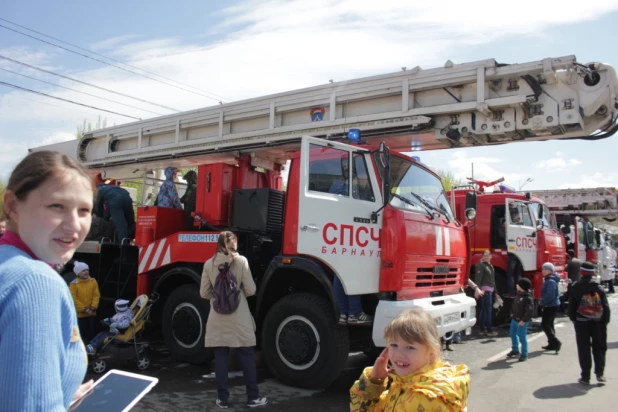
<point>550,299</point>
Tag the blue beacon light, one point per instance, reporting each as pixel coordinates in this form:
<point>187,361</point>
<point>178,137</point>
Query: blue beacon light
<point>354,135</point>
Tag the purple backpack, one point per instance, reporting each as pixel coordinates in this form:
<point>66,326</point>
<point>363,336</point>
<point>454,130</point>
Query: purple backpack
<point>226,292</point>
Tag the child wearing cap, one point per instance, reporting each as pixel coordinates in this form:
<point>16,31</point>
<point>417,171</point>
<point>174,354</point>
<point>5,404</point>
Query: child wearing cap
<point>117,324</point>
<point>590,313</point>
<point>521,315</point>
<point>550,299</point>
<point>86,296</point>
<point>168,194</point>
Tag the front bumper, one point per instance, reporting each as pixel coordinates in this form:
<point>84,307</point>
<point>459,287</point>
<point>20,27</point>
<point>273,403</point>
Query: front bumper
<point>452,313</point>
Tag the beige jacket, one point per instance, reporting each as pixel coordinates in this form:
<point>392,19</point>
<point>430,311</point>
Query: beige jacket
<point>237,329</point>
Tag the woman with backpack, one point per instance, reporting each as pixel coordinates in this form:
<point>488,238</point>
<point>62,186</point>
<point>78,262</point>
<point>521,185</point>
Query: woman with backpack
<point>227,282</point>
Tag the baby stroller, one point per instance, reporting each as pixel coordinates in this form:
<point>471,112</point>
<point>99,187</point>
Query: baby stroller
<point>127,345</point>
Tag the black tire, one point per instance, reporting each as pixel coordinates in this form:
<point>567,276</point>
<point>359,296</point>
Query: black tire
<point>301,342</point>
<point>184,325</point>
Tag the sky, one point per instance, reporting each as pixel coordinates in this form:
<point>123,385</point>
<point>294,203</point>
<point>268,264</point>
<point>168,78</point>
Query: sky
<point>233,50</point>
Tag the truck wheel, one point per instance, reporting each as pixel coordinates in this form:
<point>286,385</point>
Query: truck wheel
<point>302,344</point>
<point>184,325</point>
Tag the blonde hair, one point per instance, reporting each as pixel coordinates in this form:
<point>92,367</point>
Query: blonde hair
<point>415,326</point>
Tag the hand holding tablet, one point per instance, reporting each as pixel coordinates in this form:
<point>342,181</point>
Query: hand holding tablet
<point>116,391</point>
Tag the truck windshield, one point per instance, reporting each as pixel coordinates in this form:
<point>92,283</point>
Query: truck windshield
<point>421,189</point>
<point>548,219</point>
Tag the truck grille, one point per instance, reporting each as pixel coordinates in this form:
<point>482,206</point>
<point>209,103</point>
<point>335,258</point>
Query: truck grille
<point>425,272</point>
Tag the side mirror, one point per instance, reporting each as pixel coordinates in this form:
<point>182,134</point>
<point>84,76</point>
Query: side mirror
<point>540,212</point>
<point>470,201</point>
<point>385,159</point>
<point>470,213</point>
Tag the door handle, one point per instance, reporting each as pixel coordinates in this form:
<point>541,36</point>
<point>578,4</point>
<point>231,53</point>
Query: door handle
<point>511,240</point>
<point>312,228</point>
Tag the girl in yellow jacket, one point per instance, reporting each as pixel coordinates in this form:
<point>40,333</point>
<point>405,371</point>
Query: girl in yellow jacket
<point>85,292</point>
<point>410,375</point>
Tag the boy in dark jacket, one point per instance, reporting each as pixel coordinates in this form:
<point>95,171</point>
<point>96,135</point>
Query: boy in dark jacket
<point>550,299</point>
<point>521,315</point>
<point>590,313</point>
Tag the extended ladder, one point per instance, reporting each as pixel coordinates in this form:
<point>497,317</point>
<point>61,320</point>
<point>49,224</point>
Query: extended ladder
<point>458,105</point>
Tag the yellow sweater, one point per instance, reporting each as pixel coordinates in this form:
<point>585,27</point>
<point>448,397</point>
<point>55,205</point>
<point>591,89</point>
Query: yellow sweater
<point>439,387</point>
<point>85,294</point>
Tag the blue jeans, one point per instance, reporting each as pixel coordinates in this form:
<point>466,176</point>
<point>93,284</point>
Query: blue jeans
<point>246,356</point>
<point>519,334</point>
<point>486,310</point>
<point>348,305</point>
<point>98,340</point>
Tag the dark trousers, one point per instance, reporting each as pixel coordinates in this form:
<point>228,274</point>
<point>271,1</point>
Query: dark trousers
<point>123,217</point>
<point>486,311</point>
<point>512,274</point>
<point>246,356</point>
<point>547,323</point>
<point>87,327</point>
<point>585,333</point>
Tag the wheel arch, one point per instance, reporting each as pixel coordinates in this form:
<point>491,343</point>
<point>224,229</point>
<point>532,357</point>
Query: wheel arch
<point>301,275</point>
<point>172,279</point>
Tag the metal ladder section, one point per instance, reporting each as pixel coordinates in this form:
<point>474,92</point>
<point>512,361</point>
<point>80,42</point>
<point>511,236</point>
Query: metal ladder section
<point>600,201</point>
<point>457,105</point>
<point>117,272</point>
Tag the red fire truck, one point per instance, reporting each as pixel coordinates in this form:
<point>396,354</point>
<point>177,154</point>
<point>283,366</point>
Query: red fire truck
<point>390,235</point>
<point>531,240</point>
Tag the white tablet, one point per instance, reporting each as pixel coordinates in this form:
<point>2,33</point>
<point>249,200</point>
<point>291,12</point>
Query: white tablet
<point>116,391</point>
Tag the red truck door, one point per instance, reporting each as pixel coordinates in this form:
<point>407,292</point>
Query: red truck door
<point>521,233</point>
<point>338,191</point>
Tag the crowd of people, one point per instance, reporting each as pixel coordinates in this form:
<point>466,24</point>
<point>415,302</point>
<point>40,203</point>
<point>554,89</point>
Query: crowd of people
<point>48,207</point>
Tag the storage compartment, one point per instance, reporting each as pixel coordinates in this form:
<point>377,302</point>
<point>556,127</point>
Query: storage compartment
<point>258,210</point>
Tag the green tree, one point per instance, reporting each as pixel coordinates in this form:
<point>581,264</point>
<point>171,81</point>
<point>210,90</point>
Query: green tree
<point>87,127</point>
<point>449,180</point>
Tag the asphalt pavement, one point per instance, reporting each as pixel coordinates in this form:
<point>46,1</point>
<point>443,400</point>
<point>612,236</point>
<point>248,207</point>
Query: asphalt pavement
<point>546,382</point>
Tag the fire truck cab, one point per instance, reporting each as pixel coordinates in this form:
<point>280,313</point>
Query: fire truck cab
<point>517,225</point>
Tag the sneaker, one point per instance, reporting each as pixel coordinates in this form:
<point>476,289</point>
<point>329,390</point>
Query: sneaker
<point>523,358</point>
<point>492,333</point>
<point>512,354</point>
<point>257,402</point>
<point>584,381</point>
<point>90,350</point>
<point>360,319</point>
<point>221,404</point>
<point>343,319</point>
<point>601,379</point>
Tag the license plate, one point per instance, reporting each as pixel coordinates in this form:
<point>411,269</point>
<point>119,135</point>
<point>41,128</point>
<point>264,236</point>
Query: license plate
<point>451,318</point>
<point>441,269</point>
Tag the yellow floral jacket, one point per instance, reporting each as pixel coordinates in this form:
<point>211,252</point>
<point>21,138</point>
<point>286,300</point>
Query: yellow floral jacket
<point>438,387</point>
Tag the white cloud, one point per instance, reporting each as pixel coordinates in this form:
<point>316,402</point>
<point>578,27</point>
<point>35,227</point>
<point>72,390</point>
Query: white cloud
<point>278,45</point>
<point>485,168</point>
<point>557,164</point>
<point>112,42</point>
